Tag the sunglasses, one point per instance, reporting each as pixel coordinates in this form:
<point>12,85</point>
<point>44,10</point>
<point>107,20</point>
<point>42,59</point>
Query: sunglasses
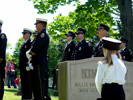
<point>100,28</point>
<point>24,33</point>
<point>67,35</point>
<point>78,33</point>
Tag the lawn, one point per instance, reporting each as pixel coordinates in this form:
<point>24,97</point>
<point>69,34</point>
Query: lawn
<point>9,94</point>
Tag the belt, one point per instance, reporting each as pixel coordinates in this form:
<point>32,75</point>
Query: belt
<point>112,84</point>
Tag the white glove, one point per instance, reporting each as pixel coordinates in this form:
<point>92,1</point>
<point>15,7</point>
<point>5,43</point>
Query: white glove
<point>29,56</point>
<point>27,68</point>
<point>30,66</point>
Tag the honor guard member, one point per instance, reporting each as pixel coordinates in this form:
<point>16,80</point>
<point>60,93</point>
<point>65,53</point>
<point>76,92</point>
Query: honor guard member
<point>125,52</point>
<point>102,31</point>
<point>25,75</point>
<point>38,52</point>
<point>3,43</point>
<point>111,72</point>
<point>82,49</point>
<point>69,46</point>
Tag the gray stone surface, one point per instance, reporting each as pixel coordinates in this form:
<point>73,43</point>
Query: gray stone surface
<point>76,80</point>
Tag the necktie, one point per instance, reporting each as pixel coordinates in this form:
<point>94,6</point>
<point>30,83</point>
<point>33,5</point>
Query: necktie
<point>121,52</point>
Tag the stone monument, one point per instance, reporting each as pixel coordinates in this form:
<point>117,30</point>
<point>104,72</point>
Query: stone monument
<point>76,80</point>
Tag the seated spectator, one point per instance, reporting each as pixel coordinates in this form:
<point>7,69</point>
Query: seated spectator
<point>19,91</point>
<point>17,80</point>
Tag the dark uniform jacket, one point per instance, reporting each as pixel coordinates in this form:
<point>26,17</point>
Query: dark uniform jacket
<point>68,51</point>
<point>82,50</point>
<point>126,54</point>
<point>98,49</point>
<point>25,75</point>
<point>22,57</point>
<point>39,49</point>
<point>40,63</point>
<point>3,43</point>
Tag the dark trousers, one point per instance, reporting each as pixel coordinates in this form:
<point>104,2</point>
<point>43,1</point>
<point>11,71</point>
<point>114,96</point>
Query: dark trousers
<point>112,92</point>
<point>25,83</point>
<point>10,77</point>
<point>1,86</point>
<point>40,87</point>
<point>54,81</point>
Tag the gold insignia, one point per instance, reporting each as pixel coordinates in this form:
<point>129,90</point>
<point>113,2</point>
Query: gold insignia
<point>2,36</point>
<point>1,59</point>
<point>42,35</point>
<point>25,47</point>
<point>32,53</point>
<point>131,53</point>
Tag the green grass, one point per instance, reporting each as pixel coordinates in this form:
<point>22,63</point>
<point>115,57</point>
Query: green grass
<point>9,94</point>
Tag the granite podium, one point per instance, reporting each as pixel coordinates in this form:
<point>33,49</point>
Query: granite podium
<point>76,80</point>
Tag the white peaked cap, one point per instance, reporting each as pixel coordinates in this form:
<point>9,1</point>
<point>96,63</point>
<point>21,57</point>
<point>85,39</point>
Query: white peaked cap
<point>27,29</point>
<point>41,19</point>
<point>1,21</point>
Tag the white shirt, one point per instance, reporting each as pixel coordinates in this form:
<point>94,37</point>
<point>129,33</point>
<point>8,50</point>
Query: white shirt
<point>110,74</point>
<point>67,44</point>
<point>122,50</point>
<point>26,40</point>
<point>81,40</point>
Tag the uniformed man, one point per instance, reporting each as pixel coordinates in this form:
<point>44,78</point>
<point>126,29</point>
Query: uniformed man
<point>69,46</point>
<point>24,74</point>
<point>82,49</point>
<point>125,52</point>
<point>3,43</point>
<point>102,31</point>
<point>38,52</point>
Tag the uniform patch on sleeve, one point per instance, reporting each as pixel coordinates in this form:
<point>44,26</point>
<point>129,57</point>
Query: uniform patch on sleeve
<point>1,59</point>
<point>2,36</point>
<point>42,35</point>
<point>32,53</point>
<point>25,47</point>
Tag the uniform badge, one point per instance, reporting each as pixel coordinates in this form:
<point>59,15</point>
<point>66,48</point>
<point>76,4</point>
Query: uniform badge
<point>25,47</point>
<point>42,35</point>
<point>69,50</point>
<point>131,53</point>
<point>2,36</point>
<point>124,57</point>
<point>79,48</point>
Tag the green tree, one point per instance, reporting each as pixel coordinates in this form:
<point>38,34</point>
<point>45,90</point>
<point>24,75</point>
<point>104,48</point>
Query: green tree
<point>126,17</point>
<point>17,50</point>
<point>8,47</point>
<point>55,53</point>
<point>90,14</point>
<point>52,53</point>
<point>8,56</point>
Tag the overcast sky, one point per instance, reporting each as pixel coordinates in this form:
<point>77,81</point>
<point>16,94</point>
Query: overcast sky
<point>19,14</point>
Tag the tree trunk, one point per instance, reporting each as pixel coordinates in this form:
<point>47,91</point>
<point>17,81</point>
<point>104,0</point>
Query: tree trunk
<point>125,7</point>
